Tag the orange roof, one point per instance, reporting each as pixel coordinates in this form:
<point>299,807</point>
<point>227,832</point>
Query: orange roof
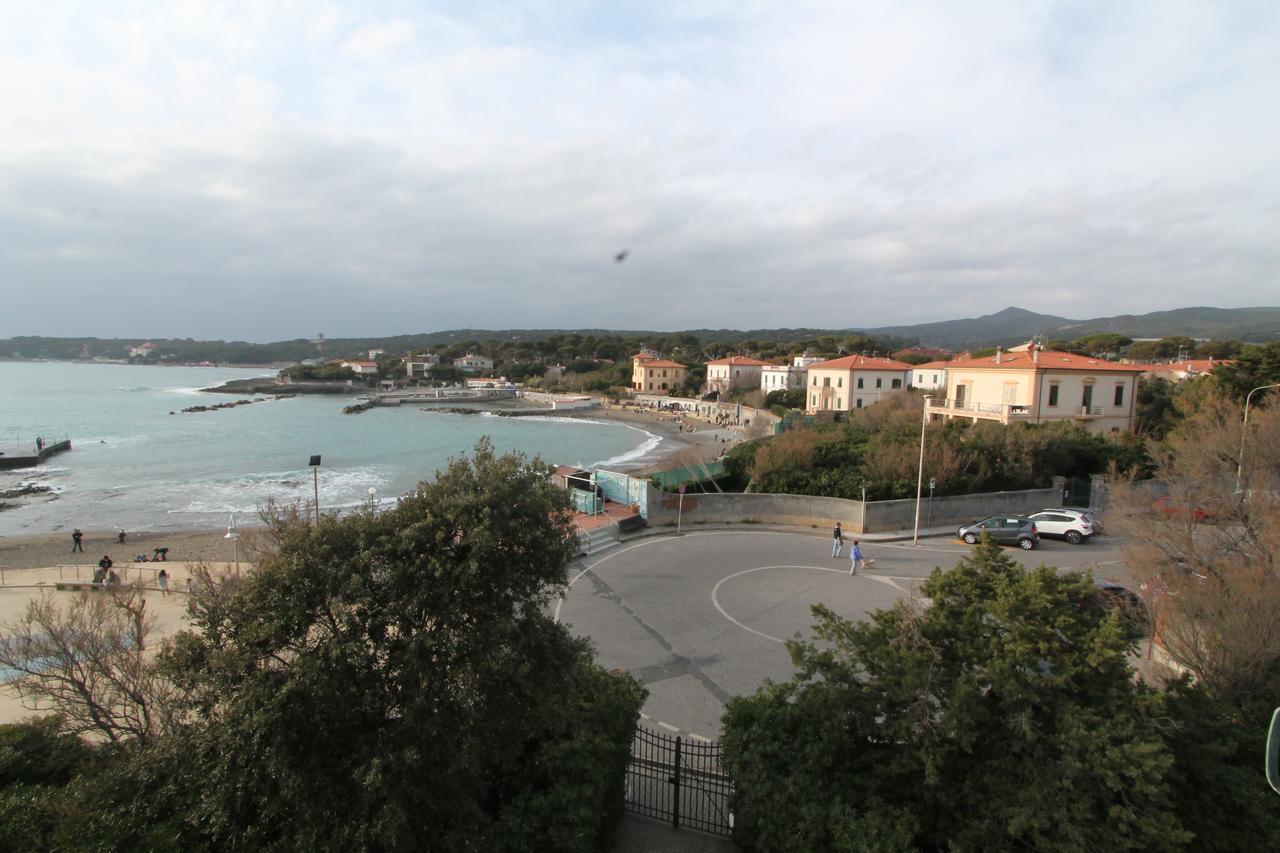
<point>644,356</point>
<point>1195,365</point>
<point>662,362</point>
<point>860,362</point>
<point>1047,359</point>
<point>743,360</point>
<point>932,365</point>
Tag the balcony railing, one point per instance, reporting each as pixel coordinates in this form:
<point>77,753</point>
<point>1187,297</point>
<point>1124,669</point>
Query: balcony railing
<point>1003,412</point>
<point>1090,412</point>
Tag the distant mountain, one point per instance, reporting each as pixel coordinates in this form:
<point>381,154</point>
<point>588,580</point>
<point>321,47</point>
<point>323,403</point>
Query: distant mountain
<point>1017,325</point>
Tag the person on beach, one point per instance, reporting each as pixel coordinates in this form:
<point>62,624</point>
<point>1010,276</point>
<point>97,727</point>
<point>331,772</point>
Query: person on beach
<point>99,574</point>
<point>161,554</point>
<point>105,563</point>
<point>112,578</point>
<point>76,544</point>
<point>120,537</point>
<point>855,558</point>
<point>162,580</point>
<point>837,541</point>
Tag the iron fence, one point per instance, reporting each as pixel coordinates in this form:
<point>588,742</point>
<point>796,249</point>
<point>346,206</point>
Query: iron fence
<point>680,780</point>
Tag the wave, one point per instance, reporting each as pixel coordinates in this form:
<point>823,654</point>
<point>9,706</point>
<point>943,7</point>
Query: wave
<point>339,488</point>
<point>650,444</point>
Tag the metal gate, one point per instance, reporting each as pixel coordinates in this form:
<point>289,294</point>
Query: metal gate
<point>1078,491</point>
<point>679,780</point>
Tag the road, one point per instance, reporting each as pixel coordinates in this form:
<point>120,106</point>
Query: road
<point>702,617</point>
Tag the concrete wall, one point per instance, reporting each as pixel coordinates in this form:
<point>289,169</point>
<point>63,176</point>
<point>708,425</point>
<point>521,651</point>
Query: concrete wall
<point>855,516</point>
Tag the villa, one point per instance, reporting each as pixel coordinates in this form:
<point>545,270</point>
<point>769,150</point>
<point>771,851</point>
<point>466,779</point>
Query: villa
<point>849,383</point>
<point>736,371</point>
<point>653,375</point>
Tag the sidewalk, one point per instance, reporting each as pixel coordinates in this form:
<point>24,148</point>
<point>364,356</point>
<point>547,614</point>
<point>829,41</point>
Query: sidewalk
<point>887,536</point>
<point>638,834</point>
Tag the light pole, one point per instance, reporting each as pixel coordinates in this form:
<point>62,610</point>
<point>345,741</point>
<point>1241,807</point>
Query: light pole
<point>680,510</point>
<point>315,481</point>
<point>234,536</point>
<point>373,498</point>
<point>1244,432</point>
<point>924,422</point>
<point>933,482</point>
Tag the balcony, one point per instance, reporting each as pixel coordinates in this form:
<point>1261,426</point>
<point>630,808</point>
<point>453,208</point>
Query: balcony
<point>1005,413</point>
<point>1089,412</point>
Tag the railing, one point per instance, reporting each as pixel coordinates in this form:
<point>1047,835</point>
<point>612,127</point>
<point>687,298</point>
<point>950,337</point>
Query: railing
<point>1090,411</point>
<point>683,781</point>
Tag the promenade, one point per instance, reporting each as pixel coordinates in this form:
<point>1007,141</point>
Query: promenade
<point>25,454</point>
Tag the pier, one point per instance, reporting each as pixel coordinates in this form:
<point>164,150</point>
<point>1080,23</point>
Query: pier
<point>26,455</point>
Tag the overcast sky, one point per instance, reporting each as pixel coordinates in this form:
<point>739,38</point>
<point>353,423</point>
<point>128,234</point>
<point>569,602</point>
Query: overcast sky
<point>273,170</point>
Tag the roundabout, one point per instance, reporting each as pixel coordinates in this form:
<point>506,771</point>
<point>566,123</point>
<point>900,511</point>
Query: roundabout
<point>702,617</point>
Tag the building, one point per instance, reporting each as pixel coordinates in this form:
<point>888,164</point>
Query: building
<point>786,377</point>
<point>142,350</point>
<point>852,382</point>
<point>653,375</point>
<point>375,354</point>
<point>472,363</point>
<point>418,366</point>
<point>362,368</point>
<point>930,375</point>
<point>1038,386</point>
<point>488,382</point>
<point>736,371</point>
<point>1177,371</point>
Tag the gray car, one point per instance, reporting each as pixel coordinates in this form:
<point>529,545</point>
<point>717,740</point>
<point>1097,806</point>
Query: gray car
<point>1005,529</point>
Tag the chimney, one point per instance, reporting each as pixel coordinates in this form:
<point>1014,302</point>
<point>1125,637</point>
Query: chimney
<point>999,352</point>
<point>1035,355</point>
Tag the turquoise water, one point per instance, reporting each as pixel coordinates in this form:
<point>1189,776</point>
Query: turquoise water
<point>136,466</point>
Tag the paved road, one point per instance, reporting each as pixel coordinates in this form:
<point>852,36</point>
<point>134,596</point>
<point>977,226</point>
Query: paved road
<point>701,617</point>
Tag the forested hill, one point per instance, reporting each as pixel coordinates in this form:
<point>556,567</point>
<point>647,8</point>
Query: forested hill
<point>1009,326</point>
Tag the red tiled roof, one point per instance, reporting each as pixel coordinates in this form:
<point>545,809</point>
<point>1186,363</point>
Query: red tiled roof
<point>743,360</point>
<point>1195,365</point>
<point>1048,359</point>
<point>860,362</point>
<point>660,362</point>
<point>644,356</point>
<point>932,365</point>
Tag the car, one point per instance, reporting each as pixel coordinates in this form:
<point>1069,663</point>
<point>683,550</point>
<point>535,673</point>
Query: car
<point>1110,596</point>
<point>1206,510</point>
<point>1004,529</point>
<point>1092,515</point>
<point>1059,524</point>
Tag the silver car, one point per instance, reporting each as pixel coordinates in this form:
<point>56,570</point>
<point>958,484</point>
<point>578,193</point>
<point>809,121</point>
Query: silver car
<point>1071,525</point>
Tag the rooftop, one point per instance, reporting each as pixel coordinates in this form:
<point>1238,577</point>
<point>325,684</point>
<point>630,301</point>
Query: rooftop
<point>1042,360</point>
<point>861,362</point>
<point>742,360</point>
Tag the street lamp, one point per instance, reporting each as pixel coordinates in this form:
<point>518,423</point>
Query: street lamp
<point>1244,431</point>
<point>315,480</point>
<point>234,536</point>
<point>373,498</point>
<point>924,422</point>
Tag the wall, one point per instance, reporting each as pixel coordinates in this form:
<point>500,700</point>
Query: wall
<point>855,516</point>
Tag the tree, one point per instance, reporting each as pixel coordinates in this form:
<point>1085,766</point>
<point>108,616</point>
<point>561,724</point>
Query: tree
<point>1253,367</point>
<point>1003,716</point>
<point>390,677</point>
<point>87,664</point>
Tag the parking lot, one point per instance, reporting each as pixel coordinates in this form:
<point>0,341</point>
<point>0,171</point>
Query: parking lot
<point>701,617</point>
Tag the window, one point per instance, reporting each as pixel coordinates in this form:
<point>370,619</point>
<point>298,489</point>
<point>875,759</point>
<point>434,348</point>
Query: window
<point>1010,392</point>
<point>879,382</point>
<point>1119,395</point>
<point>839,381</point>
<point>815,381</point>
<point>664,386</point>
<point>813,400</point>
<point>839,403</point>
<point>826,382</point>
<point>935,379</point>
<point>1053,394</point>
<point>1086,399</point>
<point>859,381</point>
<point>897,383</point>
<point>859,402</point>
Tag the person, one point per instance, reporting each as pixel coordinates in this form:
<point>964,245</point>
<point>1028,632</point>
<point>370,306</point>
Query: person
<point>162,580</point>
<point>39,443</point>
<point>112,577</point>
<point>105,563</point>
<point>120,537</point>
<point>160,555</point>
<point>99,574</point>
<point>837,541</point>
<point>855,558</point>
<point>76,545</point>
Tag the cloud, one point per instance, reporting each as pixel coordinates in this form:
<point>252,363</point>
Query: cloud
<point>298,168</point>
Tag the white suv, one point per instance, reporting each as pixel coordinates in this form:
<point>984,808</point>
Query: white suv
<point>1071,525</point>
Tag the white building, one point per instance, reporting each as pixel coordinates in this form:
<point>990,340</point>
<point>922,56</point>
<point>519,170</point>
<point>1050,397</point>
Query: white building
<point>362,368</point>
<point>418,366</point>
<point>852,382</point>
<point>375,354</point>
<point>473,363</point>
<point>782,377</point>
<point>736,371</point>
<point>929,376</point>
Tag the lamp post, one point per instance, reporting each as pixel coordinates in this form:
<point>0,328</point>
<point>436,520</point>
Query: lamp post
<point>234,536</point>
<point>373,498</point>
<point>315,481</point>
<point>933,482</point>
<point>680,510</point>
<point>924,422</point>
<point>1244,432</point>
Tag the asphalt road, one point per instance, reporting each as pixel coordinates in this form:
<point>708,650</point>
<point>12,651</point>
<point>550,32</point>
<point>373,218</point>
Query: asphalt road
<point>702,617</point>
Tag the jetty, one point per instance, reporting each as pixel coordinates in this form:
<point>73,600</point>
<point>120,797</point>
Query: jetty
<point>27,455</point>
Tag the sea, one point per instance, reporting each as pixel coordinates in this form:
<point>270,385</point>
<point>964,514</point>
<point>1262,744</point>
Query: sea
<point>139,463</point>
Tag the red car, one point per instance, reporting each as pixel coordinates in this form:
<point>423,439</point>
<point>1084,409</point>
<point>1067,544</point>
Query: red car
<point>1206,510</point>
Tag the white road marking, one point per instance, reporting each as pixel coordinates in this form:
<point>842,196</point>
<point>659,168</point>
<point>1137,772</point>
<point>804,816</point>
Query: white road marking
<point>668,726</point>
<point>715,593</point>
<point>700,738</point>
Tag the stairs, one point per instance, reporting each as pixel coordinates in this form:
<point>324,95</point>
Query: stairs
<point>598,539</point>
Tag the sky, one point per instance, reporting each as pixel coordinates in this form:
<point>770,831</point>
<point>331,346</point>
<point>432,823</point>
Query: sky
<point>274,170</point>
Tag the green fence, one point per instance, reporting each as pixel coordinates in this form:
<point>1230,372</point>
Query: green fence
<point>688,474</point>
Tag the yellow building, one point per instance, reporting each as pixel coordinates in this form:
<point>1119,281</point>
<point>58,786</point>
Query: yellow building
<point>653,375</point>
<point>1038,386</point>
<point>845,384</point>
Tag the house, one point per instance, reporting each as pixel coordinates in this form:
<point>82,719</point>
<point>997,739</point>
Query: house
<point>785,377</point>
<point>472,363</point>
<point>849,383</point>
<point>1178,371</point>
<point>418,366</point>
<point>653,375</point>
<point>488,382</point>
<point>362,368</point>
<point>736,371</point>
<point>142,350</point>
<point>930,375</point>
<point>375,354</point>
<point>1040,385</point>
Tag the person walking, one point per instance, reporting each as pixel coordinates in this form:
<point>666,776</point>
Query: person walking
<point>76,544</point>
<point>855,558</point>
<point>162,580</point>
<point>837,541</point>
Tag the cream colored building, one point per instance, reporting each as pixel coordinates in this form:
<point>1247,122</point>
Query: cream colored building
<point>930,375</point>
<point>652,375</point>
<point>1038,386</point>
<point>736,371</point>
<point>852,382</point>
